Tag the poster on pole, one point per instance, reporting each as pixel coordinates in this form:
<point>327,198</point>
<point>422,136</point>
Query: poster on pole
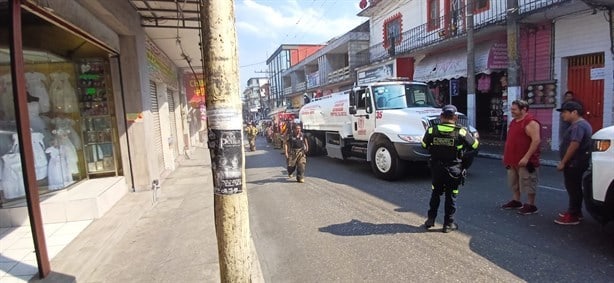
<point>226,161</point>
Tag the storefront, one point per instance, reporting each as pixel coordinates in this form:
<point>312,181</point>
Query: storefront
<point>71,107</point>
<point>446,74</point>
<point>399,67</point>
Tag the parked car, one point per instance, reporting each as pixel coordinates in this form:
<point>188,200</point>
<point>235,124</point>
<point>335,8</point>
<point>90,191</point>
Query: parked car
<point>599,182</point>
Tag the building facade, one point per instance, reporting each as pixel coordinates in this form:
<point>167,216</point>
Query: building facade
<point>427,41</point>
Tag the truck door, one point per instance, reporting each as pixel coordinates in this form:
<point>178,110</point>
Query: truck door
<point>363,122</point>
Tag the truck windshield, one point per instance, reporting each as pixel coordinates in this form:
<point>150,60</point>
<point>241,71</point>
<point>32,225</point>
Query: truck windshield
<point>403,96</point>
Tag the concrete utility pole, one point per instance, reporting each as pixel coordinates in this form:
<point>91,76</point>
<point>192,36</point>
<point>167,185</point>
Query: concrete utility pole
<point>225,140</point>
<point>513,67</point>
<point>471,112</point>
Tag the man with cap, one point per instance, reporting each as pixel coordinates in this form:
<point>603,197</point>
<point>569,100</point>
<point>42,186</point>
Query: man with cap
<point>575,151</point>
<point>446,142</point>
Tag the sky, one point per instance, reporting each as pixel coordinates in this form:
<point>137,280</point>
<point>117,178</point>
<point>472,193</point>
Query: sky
<point>263,25</point>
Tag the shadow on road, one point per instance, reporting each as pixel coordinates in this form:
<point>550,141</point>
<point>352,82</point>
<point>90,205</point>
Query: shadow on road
<point>358,228</point>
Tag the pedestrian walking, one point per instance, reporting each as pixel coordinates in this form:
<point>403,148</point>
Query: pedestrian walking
<point>446,142</point>
<point>521,157</point>
<point>575,151</point>
<point>252,133</point>
<point>296,148</point>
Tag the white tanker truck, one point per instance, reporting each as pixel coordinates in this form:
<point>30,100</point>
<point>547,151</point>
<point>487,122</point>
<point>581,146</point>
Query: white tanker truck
<point>381,122</point>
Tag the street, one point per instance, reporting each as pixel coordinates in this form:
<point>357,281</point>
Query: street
<point>345,225</point>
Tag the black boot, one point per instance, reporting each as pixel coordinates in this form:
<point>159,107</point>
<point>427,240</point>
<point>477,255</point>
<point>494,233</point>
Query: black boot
<point>447,228</point>
<point>429,223</point>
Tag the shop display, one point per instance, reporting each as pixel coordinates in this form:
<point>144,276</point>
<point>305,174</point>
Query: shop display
<point>35,85</point>
<point>97,122</point>
<point>62,94</point>
<point>59,173</point>
<point>541,94</point>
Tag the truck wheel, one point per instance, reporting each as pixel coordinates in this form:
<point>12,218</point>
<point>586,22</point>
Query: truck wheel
<point>385,162</point>
<point>315,145</point>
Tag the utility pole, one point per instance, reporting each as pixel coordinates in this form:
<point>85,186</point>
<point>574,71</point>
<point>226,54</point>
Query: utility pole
<point>471,111</point>
<point>225,140</point>
<point>513,67</point>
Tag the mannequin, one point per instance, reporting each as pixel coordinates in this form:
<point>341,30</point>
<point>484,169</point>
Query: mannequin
<point>68,150</point>
<point>62,94</point>
<point>59,175</point>
<point>35,85</point>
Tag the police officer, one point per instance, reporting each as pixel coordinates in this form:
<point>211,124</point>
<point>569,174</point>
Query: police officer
<point>295,148</point>
<point>446,142</point>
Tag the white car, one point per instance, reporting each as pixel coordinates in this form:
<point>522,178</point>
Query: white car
<point>599,183</point>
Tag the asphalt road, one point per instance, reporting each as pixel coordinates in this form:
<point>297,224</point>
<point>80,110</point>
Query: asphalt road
<point>345,225</point>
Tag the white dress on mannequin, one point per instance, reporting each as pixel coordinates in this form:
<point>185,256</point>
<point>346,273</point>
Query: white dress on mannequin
<point>58,172</point>
<point>35,85</point>
<point>12,176</point>
<point>62,94</point>
<point>69,150</point>
<point>66,124</point>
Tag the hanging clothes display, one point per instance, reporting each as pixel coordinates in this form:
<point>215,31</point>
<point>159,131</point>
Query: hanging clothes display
<point>62,139</point>
<point>12,176</point>
<point>67,125</point>
<point>59,175</point>
<point>61,93</point>
<point>35,85</point>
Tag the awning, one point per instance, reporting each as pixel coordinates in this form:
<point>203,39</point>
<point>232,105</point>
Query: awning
<point>489,57</point>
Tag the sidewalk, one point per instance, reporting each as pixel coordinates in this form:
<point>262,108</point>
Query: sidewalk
<point>141,240</point>
<point>494,149</point>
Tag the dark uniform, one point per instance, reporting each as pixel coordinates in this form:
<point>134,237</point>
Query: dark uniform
<point>296,155</point>
<point>252,132</point>
<point>446,143</point>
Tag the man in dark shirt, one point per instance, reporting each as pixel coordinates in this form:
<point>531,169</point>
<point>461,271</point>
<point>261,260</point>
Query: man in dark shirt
<point>575,153</point>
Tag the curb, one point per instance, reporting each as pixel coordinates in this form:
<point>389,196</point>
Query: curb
<point>544,162</point>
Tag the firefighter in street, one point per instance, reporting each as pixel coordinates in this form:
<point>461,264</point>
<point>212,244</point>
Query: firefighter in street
<point>252,133</point>
<point>446,142</point>
<point>296,147</point>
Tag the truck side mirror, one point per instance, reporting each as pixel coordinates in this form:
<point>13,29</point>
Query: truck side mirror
<point>352,109</point>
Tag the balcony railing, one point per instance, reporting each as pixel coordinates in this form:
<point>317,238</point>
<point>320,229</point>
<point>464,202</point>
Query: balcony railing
<point>287,90</point>
<point>339,75</point>
<point>450,26</point>
<point>300,86</point>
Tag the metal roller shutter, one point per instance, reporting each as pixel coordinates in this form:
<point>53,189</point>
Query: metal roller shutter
<point>172,120</point>
<point>155,113</point>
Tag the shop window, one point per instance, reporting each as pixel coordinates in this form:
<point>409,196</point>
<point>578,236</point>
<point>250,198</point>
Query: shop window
<point>481,6</point>
<point>70,108</point>
<point>392,30</point>
<point>432,15</point>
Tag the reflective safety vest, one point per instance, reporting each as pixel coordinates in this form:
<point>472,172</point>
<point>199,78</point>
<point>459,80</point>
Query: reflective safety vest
<point>446,144</point>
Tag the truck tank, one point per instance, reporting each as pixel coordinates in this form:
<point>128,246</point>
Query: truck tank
<point>328,114</point>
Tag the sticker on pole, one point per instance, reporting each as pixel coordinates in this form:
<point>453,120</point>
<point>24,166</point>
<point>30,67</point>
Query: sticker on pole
<point>226,161</point>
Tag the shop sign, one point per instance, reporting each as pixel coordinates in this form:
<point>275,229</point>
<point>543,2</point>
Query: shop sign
<point>597,74</point>
<point>160,66</point>
<point>497,57</point>
<point>194,88</point>
<point>454,87</point>
<point>375,74</point>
